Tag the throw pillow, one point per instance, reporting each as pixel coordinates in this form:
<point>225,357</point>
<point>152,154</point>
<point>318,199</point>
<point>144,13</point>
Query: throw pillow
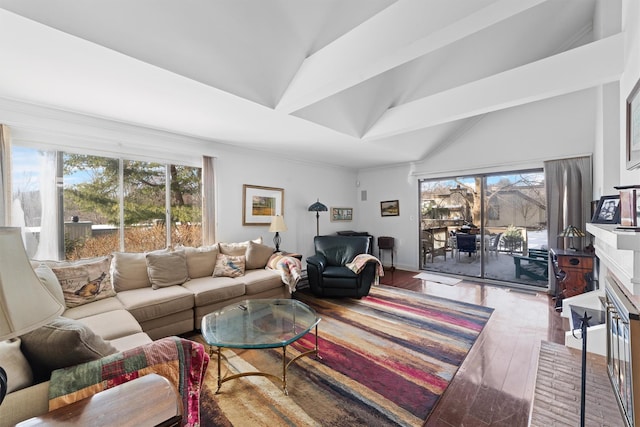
<point>13,361</point>
<point>258,255</point>
<point>129,270</point>
<point>201,261</point>
<point>85,281</point>
<point>49,279</point>
<point>229,266</point>
<point>167,269</point>
<point>62,343</point>
<point>237,249</point>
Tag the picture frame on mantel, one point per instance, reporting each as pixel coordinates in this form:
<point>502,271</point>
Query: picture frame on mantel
<point>629,207</point>
<point>633,128</point>
<point>607,211</point>
<point>261,204</point>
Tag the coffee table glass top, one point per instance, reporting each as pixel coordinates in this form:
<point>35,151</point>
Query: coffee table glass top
<point>259,323</point>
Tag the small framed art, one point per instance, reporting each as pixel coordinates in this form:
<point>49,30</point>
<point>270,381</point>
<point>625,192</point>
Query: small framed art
<point>633,128</point>
<point>260,204</point>
<point>390,208</point>
<point>607,211</point>
<point>341,214</point>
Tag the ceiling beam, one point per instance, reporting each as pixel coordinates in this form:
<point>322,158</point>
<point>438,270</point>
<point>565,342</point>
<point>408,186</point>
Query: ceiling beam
<point>404,31</point>
<point>587,66</point>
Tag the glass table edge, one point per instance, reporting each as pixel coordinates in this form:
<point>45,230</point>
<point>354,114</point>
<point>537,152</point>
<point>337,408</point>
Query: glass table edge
<point>279,344</point>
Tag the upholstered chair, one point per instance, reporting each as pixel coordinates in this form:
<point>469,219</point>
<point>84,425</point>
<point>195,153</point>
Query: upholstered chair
<point>327,271</point>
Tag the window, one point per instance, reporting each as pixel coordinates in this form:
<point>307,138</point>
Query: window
<point>108,204</point>
<point>505,212</point>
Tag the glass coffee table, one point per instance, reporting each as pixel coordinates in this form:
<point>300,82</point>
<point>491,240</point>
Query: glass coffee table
<point>260,323</point>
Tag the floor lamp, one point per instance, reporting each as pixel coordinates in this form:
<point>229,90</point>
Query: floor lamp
<point>317,207</point>
<point>25,302</point>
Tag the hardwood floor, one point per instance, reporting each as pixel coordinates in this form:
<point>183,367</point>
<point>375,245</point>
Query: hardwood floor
<point>495,384</point>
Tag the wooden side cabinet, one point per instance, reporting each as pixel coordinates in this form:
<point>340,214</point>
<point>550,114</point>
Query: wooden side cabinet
<point>574,271</point>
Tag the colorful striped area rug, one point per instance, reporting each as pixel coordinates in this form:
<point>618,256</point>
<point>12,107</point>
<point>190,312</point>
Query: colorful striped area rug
<point>386,360</point>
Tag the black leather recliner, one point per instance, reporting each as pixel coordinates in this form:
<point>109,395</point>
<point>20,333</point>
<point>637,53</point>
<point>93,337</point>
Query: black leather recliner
<point>328,276</point>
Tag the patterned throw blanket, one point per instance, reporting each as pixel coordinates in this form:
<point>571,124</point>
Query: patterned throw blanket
<point>290,269</point>
<point>360,261</point>
<point>182,362</point>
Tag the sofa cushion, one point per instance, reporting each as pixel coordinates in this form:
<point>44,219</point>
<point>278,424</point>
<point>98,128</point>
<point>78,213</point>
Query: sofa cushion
<point>237,249</point>
<point>208,290</point>
<point>85,281</point>
<point>258,255</point>
<point>130,341</point>
<point>112,325</point>
<point>96,307</point>
<point>146,303</point>
<point>257,281</point>
<point>50,280</point>
<point>167,269</point>
<point>129,270</point>
<point>62,343</point>
<point>13,361</point>
<point>229,266</point>
<point>201,261</point>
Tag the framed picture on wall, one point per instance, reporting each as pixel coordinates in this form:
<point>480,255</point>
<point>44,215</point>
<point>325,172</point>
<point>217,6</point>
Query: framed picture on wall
<point>390,208</point>
<point>633,128</point>
<point>341,214</point>
<point>260,204</point>
<point>607,211</point>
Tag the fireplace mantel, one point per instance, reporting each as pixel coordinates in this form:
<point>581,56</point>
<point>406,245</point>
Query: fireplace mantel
<point>619,253</point>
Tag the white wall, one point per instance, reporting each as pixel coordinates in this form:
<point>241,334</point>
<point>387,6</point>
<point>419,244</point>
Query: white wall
<point>303,184</point>
<point>631,27</point>
<point>392,183</point>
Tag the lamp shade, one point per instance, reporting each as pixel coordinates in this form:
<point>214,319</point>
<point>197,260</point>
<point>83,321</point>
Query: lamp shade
<point>318,207</point>
<point>25,302</point>
<point>571,231</point>
<point>277,224</point>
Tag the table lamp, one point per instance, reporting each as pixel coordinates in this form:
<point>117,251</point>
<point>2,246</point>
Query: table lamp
<point>277,225</point>
<point>317,207</point>
<point>571,231</point>
<point>25,302</point>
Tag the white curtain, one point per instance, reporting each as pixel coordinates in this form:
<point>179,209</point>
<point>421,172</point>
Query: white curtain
<point>569,193</point>
<point>5,176</point>
<point>48,246</point>
<point>208,201</point>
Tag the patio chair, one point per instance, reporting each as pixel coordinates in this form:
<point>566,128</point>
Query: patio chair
<point>434,243</point>
<point>493,245</point>
<point>466,243</point>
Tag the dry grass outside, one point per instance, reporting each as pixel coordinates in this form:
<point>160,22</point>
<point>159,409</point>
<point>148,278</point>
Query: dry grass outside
<point>136,239</point>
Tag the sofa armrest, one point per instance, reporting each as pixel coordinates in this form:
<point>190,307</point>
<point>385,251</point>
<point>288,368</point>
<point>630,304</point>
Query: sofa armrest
<point>23,404</point>
<point>318,261</point>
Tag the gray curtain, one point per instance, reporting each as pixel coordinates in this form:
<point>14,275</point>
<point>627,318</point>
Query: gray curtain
<point>5,176</point>
<point>208,201</point>
<point>569,193</point>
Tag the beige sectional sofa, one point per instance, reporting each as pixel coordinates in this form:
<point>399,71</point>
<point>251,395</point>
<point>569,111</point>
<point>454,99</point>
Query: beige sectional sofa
<point>149,296</point>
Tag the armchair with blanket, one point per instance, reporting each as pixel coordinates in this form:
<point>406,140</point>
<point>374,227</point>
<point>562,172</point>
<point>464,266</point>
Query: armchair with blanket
<point>342,267</point>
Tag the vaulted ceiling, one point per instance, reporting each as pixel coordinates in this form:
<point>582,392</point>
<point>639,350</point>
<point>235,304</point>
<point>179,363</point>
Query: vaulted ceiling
<point>358,83</point>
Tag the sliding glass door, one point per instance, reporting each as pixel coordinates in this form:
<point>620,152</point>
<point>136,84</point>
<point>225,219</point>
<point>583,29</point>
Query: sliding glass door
<point>483,226</point>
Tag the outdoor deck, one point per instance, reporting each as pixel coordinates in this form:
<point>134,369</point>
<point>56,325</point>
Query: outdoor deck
<point>498,266</point>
